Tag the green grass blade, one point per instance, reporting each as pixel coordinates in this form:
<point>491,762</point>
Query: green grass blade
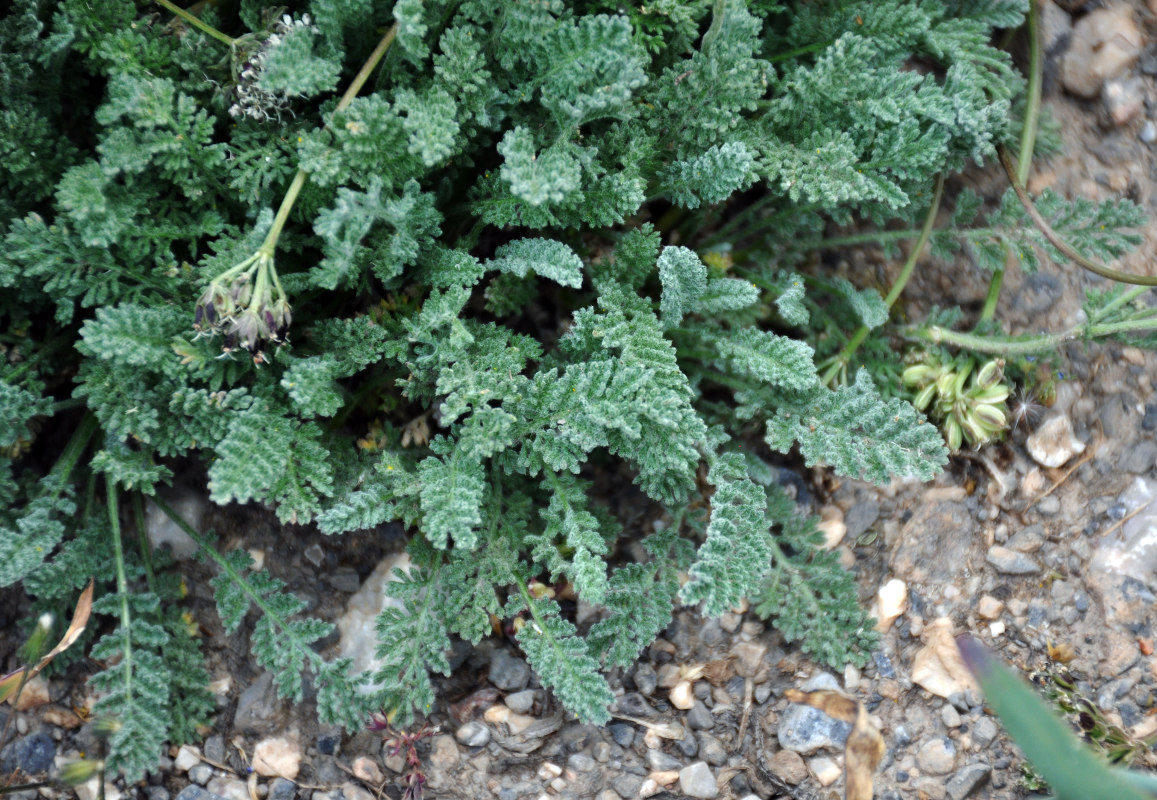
<point>1072,770</point>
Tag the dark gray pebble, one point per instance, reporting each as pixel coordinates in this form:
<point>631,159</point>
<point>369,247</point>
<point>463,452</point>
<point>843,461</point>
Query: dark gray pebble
<point>860,518</point>
<point>622,733</point>
<point>281,789</point>
<point>884,666</point>
<point>633,704</point>
<point>508,672</point>
<point>688,745</point>
<point>646,681</point>
<point>699,717</point>
<point>712,750</point>
<point>157,793</point>
<point>967,780</point>
<point>627,785</point>
<point>327,744</point>
<point>1149,421</point>
<point>658,760</point>
<point>201,774</point>
<point>33,754</point>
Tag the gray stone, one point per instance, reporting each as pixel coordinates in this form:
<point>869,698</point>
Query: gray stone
<point>662,762</point>
<point>580,762</point>
<point>33,754</point>
<point>698,780</point>
<point>860,518</point>
<point>1148,135</point>
<point>805,729</point>
<point>156,793</point>
<point>521,702</point>
<point>712,750</point>
<point>622,733</point>
<point>1049,506</point>
<point>256,706</point>
<point>1140,458</point>
<point>214,748</point>
<point>1010,562</point>
<point>646,681</point>
<point>688,745</point>
<point>984,732</point>
<point>329,744</point>
<point>937,756</point>
<point>967,780</point>
<point>1028,539</point>
<point>633,704</point>
<point>473,734</point>
<point>508,672</point>
<point>193,792</point>
<point>950,716</point>
<point>201,774</point>
<point>627,785</point>
<point>314,554</point>
<point>344,579</point>
<point>281,789</point>
<point>699,717</point>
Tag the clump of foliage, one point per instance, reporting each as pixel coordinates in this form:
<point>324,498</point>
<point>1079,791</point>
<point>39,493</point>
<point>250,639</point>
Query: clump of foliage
<point>546,241</point>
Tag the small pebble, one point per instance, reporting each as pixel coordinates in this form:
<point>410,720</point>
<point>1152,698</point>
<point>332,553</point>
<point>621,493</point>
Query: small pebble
<point>950,717</point>
<point>697,780</point>
<point>473,734</point>
<point>988,607</point>
<point>967,780</point>
<point>825,769</point>
<point>936,756</point>
<point>1010,562</point>
<point>277,756</point>
<point>201,774</point>
<point>699,718</point>
<point>508,672</point>
<point>622,733</point>
<point>788,766</point>
<point>1148,135</point>
<point>281,789</point>
<point>521,702</point>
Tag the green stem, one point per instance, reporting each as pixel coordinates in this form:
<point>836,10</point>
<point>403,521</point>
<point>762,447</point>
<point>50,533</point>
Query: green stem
<point>204,27</point>
<point>1066,249</point>
<point>1122,299</point>
<point>236,577</point>
<point>143,541</point>
<point>269,246</point>
<point>73,451</point>
<point>844,358</point>
<point>718,11</point>
<point>122,587</point>
<point>1028,136</point>
<point>1026,345</point>
<point>799,51</point>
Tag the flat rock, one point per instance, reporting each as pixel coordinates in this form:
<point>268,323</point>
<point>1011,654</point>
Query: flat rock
<point>804,729</point>
<point>1105,43</point>
<point>788,766</point>
<point>967,780</point>
<point>937,756</point>
<point>1054,443</point>
<point>278,756</point>
<point>1010,562</point>
<point>697,780</point>
<point>921,557</point>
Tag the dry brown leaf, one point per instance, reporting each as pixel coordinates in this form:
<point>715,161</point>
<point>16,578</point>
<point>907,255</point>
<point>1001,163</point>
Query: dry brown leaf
<point>10,683</point>
<point>719,671</point>
<point>865,746</point>
<point>937,667</point>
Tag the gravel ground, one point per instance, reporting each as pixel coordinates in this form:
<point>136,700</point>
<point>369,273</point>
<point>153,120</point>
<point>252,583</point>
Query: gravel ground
<point>1045,564</point>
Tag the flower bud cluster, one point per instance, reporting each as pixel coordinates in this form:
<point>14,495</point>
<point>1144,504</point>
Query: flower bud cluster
<point>246,304</point>
<point>968,410</point>
<point>250,99</point>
